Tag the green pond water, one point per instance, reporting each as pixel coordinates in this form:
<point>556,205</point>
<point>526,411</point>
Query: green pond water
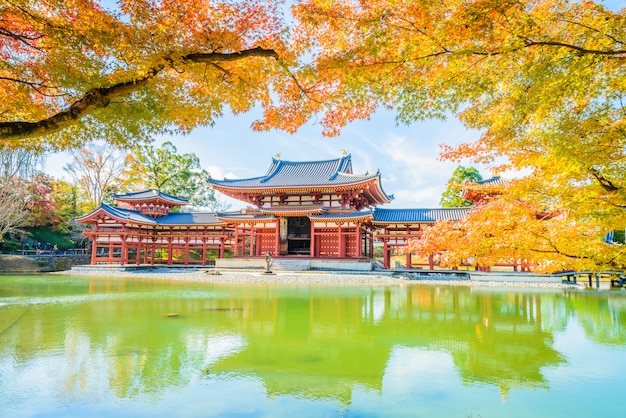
<point>98,347</point>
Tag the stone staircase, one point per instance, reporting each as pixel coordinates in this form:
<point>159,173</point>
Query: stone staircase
<point>290,265</point>
<point>295,264</point>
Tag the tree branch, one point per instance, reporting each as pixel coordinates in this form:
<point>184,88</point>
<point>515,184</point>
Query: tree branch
<point>34,85</point>
<point>578,49</point>
<point>604,182</point>
<point>100,97</point>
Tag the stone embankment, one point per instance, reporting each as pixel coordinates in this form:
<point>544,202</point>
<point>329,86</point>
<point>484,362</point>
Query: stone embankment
<point>38,264</point>
<point>304,277</point>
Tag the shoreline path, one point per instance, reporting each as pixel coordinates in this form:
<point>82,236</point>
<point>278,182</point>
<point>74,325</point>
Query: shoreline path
<point>304,277</point>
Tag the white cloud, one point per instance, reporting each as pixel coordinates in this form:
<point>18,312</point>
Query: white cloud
<point>218,173</point>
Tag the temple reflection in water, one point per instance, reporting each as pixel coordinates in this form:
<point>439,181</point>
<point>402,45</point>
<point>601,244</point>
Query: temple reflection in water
<point>309,342</point>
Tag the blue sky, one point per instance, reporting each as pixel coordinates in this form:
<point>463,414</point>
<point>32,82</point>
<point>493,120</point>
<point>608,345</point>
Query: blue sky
<point>407,156</point>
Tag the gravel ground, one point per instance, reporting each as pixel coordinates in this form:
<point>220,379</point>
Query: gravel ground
<point>305,277</point>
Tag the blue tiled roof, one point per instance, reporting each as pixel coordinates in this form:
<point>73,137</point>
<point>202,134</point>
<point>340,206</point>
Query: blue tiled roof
<point>283,173</point>
<point>175,218</point>
<point>419,215</point>
<point>150,194</point>
<point>131,215</point>
<point>494,181</point>
<point>189,218</point>
<point>244,216</point>
<point>341,215</point>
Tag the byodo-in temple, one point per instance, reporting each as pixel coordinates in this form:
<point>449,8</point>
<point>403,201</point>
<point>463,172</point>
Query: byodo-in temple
<point>315,210</point>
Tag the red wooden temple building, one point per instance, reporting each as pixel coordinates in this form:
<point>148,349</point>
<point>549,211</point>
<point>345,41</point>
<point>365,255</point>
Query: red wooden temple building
<point>313,208</point>
<point>309,209</point>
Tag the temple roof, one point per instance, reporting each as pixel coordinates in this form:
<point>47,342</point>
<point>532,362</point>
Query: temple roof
<point>150,194</point>
<point>294,210</point>
<point>189,218</point>
<point>418,215</point>
<point>480,189</point>
<point>343,216</point>
<point>253,217</point>
<point>378,216</point>
<point>130,215</point>
<point>328,176</point>
<point>119,214</point>
<point>494,181</point>
<point>283,173</point>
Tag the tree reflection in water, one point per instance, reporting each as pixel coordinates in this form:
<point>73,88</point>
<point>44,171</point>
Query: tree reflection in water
<point>103,336</point>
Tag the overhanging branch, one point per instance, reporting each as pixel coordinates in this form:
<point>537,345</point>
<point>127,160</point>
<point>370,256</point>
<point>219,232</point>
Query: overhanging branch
<point>100,97</point>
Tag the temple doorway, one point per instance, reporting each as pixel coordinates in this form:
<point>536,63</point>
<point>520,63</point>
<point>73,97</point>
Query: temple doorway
<point>299,236</point>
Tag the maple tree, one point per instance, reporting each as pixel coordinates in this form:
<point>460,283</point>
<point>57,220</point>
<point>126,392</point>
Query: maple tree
<point>40,204</point>
<point>544,81</point>
<point>73,71</point>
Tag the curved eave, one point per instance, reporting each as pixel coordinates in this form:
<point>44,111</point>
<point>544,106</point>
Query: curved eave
<point>485,188</point>
<point>301,189</point>
<point>232,183</point>
<point>156,200</point>
<point>151,195</point>
<point>196,224</point>
<point>122,216</point>
<point>405,222</point>
<point>246,219</point>
<point>376,196</point>
<point>342,217</point>
<point>381,196</point>
<point>292,211</point>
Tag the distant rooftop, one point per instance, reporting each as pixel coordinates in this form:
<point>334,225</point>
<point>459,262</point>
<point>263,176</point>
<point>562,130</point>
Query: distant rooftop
<point>150,194</point>
<point>419,215</point>
<point>494,181</point>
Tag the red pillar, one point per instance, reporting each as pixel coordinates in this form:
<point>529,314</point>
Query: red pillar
<point>386,255</point>
<point>94,249</point>
<point>359,240</point>
<point>431,262</point>
<point>124,254</point>
<point>313,252</point>
<point>221,255</point>
<point>277,238</point>
<point>169,251</point>
<point>146,250</point>
<point>204,251</point>
<point>255,248</point>
<point>236,240</point>
<point>186,262</point>
<point>408,260</point>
